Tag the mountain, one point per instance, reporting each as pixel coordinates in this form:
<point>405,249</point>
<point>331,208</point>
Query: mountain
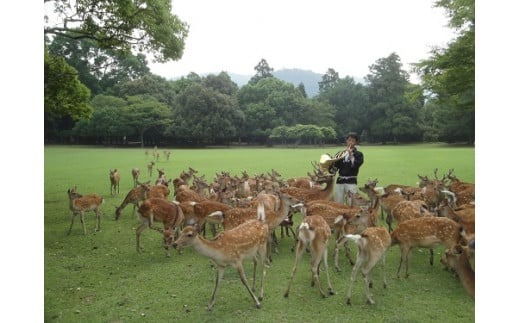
<point>295,76</point>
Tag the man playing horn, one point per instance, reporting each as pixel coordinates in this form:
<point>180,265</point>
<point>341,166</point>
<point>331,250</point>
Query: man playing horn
<point>348,169</point>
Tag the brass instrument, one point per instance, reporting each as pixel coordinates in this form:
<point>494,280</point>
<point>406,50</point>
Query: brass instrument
<point>326,160</point>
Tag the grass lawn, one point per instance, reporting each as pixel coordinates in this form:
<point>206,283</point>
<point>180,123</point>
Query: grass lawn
<point>101,278</point>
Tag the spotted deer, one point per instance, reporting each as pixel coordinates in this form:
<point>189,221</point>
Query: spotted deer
<point>425,232</point>
<point>373,243</point>
<point>158,209</point>
<point>134,196</point>
<point>80,204</point>
<point>314,232</point>
<point>230,248</point>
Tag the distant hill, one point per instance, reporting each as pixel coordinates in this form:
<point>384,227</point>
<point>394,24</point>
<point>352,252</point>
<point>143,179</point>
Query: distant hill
<point>295,76</point>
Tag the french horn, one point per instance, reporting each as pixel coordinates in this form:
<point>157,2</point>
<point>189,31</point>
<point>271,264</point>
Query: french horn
<point>326,160</point>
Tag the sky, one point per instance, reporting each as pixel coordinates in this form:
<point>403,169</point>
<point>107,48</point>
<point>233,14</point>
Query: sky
<point>348,36</point>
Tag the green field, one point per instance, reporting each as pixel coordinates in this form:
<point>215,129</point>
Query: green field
<point>101,278</point>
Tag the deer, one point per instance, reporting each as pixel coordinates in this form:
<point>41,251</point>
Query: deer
<point>204,209</point>
<point>464,216</point>
<point>161,179</point>
<point>114,181</point>
<point>158,209</point>
<point>457,258</point>
<point>135,175</point>
<point>150,168</point>
<point>134,196</point>
<point>425,232</point>
<point>373,243</point>
<point>80,204</point>
<point>159,191</point>
<point>234,217</point>
<point>406,210</point>
<point>316,193</point>
<point>230,248</point>
<point>314,232</point>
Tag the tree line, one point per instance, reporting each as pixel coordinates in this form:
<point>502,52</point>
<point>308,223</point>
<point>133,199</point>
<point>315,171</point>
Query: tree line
<point>99,93</point>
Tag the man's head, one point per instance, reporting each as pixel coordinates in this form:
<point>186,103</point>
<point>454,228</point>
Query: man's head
<point>352,139</point>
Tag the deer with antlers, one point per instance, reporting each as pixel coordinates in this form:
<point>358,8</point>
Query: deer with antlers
<point>230,248</point>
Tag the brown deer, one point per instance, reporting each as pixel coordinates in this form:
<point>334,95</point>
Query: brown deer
<point>80,204</point>
<point>159,191</point>
<point>234,217</point>
<point>135,175</point>
<point>114,181</point>
<point>158,209</point>
<point>373,244</point>
<point>314,232</point>
<point>425,232</point>
<point>316,193</point>
<point>136,195</point>
<point>230,248</point>
<point>457,258</point>
<point>150,168</point>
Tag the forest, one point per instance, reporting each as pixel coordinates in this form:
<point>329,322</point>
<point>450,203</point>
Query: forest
<point>99,90</point>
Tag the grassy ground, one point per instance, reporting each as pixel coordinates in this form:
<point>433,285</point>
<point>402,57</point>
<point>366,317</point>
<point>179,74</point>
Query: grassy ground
<point>101,278</point>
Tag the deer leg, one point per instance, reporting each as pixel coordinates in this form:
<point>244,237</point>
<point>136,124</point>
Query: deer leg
<point>240,269</point>
<point>403,252</point>
<point>367,288</point>
<point>138,234</point>
<point>326,264</point>
<point>220,274</point>
<point>431,257</point>
<point>71,222</point>
<point>299,252</point>
<point>82,219</point>
<point>360,259</point>
<point>389,219</point>
<point>98,220</point>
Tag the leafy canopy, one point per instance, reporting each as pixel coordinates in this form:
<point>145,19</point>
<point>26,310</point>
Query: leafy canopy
<point>123,25</point>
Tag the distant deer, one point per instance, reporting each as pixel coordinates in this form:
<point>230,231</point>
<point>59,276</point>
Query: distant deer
<point>114,181</point>
<point>80,204</point>
<point>150,168</point>
<point>135,175</point>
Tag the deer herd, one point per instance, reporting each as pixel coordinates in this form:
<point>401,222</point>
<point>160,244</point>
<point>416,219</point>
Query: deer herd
<point>242,213</point>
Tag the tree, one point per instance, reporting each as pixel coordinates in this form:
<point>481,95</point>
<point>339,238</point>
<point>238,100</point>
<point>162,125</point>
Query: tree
<point>221,83</point>
<point>350,102</point>
<point>141,26</point>
<point>107,122</point>
<point>149,84</point>
<point>394,117</point>
<point>203,115</point>
<point>145,112</point>
<point>328,80</point>
<point>99,69</point>
<point>449,75</point>
<point>262,71</point>
<point>64,94</point>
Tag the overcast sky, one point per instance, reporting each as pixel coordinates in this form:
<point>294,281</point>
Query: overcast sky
<point>348,36</point>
